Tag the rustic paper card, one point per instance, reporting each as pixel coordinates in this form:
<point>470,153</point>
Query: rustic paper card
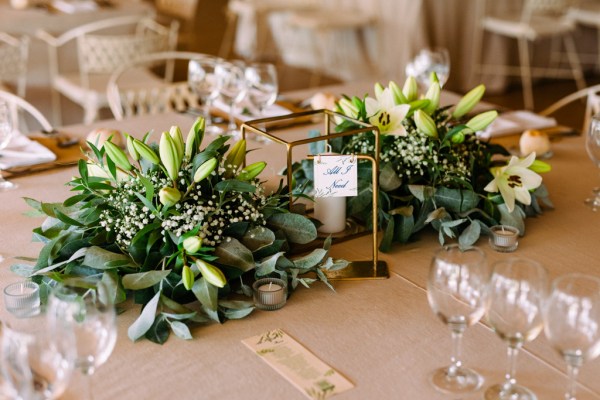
<point>299,366</point>
<point>335,176</point>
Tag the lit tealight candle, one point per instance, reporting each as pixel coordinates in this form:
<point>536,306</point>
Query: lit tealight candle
<point>270,293</point>
<point>504,238</point>
<point>536,141</point>
<point>22,299</point>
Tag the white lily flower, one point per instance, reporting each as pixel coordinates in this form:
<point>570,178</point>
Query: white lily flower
<point>514,181</point>
<point>385,114</point>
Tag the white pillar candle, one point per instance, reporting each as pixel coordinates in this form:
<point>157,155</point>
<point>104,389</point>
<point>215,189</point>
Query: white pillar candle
<point>331,212</point>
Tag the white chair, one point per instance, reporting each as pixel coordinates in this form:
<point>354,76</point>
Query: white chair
<point>14,53</point>
<point>587,13</point>
<point>101,49</point>
<point>17,105</point>
<point>538,20</point>
<point>592,104</point>
<point>126,100</point>
<point>183,11</point>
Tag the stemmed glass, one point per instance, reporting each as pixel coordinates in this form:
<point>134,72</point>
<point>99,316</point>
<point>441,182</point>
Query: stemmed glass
<point>37,357</point>
<point>231,82</point>
<point>203,82</point>
<point>427,61</point>
<point>457,290</point>
<point>90,314</point>
<point>572,322</point>
<point>6,134</point>
<point>517,291</point>
<point>592,145</point>
<point>262,85</point>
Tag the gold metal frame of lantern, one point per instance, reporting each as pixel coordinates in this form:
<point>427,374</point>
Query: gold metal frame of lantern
<point>356,270</point>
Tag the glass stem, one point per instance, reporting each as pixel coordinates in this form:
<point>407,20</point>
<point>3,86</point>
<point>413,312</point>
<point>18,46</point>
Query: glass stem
<point>206,106</point>
<point>572,372</point>
<point>513,352</point>
<point>232,126</point>
<point>455,363</point>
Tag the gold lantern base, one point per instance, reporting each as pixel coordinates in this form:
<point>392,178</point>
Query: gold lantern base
<point>370,269</point>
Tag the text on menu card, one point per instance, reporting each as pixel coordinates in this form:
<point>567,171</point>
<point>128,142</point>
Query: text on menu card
<point>335,176</point>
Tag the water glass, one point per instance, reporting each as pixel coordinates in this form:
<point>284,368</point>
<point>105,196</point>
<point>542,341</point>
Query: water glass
<point>427,61</point>
<point>457,290</point>
<point>518,289</point>
<point>592,145</point>
<point>231,82</point>
<point>37,357</point>
<point>572,322</point>
<point>261,79</point>
<point>203,83</point>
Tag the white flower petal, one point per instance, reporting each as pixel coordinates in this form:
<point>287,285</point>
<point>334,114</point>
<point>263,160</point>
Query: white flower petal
<point>523,196</point>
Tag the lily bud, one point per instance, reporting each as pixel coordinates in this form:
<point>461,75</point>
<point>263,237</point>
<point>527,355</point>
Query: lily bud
<point>117,156</point>
<point>145,151</point>
<point>236,156</point>
<point>433,95</point>
<point>397,93</point>
<point>187,276</point>
<point>458,137</point>
<point>425,124</point>
<point>205,169</point>
<point>168,155</point>
<point>481,121</point>
<point>469,101</point>
<point>169,196</point>
<point>192,244</point>
<point>410,89</point>
<point>251,171</point>
<point>212,274</point>
<point>177,137</point>
<point>194,138</point>
<point>131,149</point>
<point>433,78</point>
<point>348,108</point>
<point>540,167</point>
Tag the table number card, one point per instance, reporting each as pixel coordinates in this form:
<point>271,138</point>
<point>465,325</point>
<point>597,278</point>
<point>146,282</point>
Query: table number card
<point>335,176</point>
<point>299,366</point>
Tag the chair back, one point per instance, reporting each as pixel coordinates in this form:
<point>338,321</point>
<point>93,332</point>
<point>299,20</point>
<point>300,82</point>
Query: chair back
<point>17,104</point>
<point>14,53</point>
<point>544,7</point>
<point>159,97</point>
<point>592,103</point>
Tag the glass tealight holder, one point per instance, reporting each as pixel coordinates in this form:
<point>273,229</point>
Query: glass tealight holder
<point>504,238</point>
<point>22,299</point>
<point>270,293</point>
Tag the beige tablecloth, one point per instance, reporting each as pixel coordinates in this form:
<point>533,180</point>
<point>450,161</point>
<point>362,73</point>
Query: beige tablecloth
<point>381,334</point>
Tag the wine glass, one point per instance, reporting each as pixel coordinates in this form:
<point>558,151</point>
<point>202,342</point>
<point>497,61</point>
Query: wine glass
<point>232,89</point>
<point>457,290</point>
<point>90,314</point>
<point>6,134</point>
<point>592,145</point>
<point>427,61</point>
<point>517,291</point>
<point>203,82</point>
<point>37,357</point>
<point>262,85</point>
<point>572,322</point>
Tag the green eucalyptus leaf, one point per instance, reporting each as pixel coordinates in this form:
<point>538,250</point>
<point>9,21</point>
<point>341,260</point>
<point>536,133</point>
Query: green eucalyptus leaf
<point>143,280</point>
<point>515,218</point>
<point>206,294</point>
<point>403,227</point>
<point>470,235</point>
<point>421,192</point>
<point>388,178</point>
<point>146,319</point>
<point>180,330</point>
<point>231,185</point>
<point>267,266</point>
<point>159,331</point>
<point>97,257</point>
<point>24,270</point>
<point>258,237</point>
<point>233,253</point>
<point>297,228</point>
<point>456,200</point>
<point>310,260</point>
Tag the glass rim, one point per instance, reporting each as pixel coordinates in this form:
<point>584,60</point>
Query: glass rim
<point>576,276</point>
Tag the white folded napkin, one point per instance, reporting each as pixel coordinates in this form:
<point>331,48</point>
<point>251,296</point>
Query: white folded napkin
<point>22,151</point>
<point>271,111</point>
<point>72,7</point>
<point>512,122</point>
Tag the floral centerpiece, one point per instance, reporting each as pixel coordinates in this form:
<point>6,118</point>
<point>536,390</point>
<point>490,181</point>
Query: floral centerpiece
<point>435,171</point>
<point>181,230</point>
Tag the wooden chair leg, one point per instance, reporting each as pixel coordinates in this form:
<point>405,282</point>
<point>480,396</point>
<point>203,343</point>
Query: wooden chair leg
<point>574,62</point>
<point>525,73</point>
